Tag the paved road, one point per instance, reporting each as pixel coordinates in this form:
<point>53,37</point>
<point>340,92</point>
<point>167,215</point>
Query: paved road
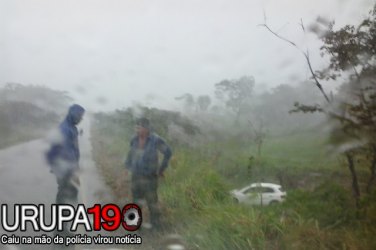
<point>25,177</point>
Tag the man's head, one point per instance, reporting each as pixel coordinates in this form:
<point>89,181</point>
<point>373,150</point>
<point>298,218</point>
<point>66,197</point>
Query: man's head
<point>75,114</point>
<point>142,126</point>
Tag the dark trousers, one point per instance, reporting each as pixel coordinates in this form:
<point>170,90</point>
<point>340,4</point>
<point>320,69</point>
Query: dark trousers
<point>67,189</point>
<point>145,187</point>
<point>67,193</point>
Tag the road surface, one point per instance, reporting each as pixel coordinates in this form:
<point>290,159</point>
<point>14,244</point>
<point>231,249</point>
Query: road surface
<point>25,178</point>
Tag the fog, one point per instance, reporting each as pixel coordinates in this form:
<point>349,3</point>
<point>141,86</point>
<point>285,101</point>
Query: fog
<point>112,54</point>
<point>277,93</point>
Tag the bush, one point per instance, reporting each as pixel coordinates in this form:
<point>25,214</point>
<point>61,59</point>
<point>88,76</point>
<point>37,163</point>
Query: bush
<point>329,204</point>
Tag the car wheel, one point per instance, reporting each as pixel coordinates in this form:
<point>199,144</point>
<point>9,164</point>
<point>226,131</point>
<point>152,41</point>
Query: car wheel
<point>273,203</point>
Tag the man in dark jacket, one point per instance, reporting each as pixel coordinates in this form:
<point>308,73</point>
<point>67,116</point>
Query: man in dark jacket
<point>142,161</point>
<point>64,155</point>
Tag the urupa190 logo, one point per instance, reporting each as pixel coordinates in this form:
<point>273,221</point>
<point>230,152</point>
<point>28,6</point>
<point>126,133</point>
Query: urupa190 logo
<point>109,217</point>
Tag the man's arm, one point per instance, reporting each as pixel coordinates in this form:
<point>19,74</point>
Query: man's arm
<point>53,154</point>
<point>128,160</point>
<point>167,153</point>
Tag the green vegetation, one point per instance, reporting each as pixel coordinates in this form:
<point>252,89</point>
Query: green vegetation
<point>319,213</point>
<point>326,159</point>
<point>26,112</point>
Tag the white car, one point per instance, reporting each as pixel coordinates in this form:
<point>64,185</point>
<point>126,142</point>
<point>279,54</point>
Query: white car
<point>259,194</point>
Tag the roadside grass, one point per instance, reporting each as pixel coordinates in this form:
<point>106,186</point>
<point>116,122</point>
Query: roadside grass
<point>298,160</point>
<point>196,202</point>
<point>109,150</point>
<point>19,136</point>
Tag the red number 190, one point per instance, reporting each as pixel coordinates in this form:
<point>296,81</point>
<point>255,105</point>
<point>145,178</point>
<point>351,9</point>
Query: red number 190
<point>110,217</point>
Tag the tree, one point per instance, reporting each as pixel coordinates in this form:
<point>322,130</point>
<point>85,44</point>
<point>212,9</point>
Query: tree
<point>26,111</point>
<point>40,96</point>
<point>236,94</point>
<point>275,105</point>
<point>203,102</point>
<point>352,50</point>
<point>187,99</point>
<point>259,135</point>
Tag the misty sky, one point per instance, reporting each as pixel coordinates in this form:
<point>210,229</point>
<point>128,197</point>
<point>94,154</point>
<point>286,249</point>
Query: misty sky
<point>111,53</point>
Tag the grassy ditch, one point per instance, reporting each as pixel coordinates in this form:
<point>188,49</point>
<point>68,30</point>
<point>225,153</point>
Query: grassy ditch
<point>319,212</point>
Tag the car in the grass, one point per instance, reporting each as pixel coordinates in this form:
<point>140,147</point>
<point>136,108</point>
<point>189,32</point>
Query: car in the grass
<point>259,194</point>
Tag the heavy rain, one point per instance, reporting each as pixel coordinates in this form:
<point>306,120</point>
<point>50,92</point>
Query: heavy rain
<point>188,124</point>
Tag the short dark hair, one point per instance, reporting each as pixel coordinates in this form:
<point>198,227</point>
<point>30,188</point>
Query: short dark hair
<point>143,122</point>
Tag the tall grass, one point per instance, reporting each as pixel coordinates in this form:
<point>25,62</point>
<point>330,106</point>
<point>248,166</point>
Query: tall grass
<point>196,202</point>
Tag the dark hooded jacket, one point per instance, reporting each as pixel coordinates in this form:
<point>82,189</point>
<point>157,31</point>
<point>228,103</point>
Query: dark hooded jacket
<point>67,148</point>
